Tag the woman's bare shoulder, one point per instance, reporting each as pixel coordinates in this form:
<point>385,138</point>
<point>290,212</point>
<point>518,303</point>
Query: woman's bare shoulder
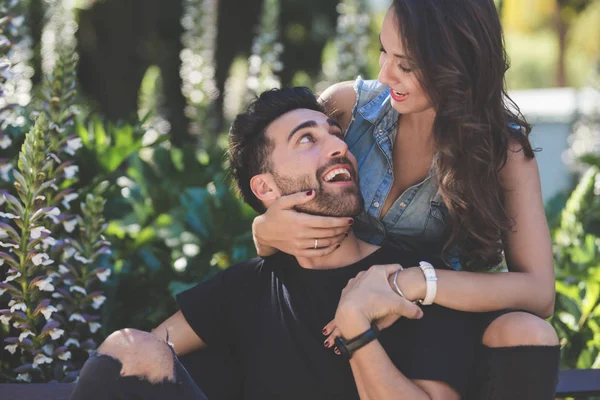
<point>338,100</point>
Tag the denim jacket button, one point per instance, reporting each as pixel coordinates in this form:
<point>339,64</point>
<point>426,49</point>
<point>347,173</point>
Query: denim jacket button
<point>376,204</point>
<point>403,205</point>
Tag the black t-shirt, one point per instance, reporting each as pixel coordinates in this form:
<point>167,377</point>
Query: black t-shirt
<point>267,314</point>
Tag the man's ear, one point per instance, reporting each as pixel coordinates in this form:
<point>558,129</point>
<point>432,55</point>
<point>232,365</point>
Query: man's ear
<point>264,188</point>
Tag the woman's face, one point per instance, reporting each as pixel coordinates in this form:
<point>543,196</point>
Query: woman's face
<point>399,71</point>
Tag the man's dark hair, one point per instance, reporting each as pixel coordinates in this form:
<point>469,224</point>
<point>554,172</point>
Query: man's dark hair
<point>249,148</point>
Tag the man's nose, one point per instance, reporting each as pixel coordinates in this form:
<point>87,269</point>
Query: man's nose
<point>338,148</point>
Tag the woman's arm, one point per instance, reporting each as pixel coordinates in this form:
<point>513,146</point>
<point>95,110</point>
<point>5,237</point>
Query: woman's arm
<point>530,283</point>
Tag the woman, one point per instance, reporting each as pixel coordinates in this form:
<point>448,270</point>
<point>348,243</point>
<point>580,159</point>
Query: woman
<point>446,168</point>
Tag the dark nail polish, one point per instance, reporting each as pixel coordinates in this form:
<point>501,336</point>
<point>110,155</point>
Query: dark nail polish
<point>338,246</point>
<point>324,331</point>
<point>336,351</point>
<point>309,193</point>
<point>326,344</point>
<point>350,221</point>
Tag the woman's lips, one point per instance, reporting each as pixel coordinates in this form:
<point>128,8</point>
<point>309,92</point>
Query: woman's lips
<point>398,97</point>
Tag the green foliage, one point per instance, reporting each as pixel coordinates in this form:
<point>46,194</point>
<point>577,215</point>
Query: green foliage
<point>577,258</point>
<point>174,221</point>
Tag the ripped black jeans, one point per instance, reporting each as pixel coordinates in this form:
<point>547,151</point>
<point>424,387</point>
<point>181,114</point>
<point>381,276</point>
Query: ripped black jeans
<point>507,373</point>
<point>100,379</point>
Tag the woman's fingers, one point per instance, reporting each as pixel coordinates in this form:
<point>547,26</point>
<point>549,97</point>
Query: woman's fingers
<point>319,252</point>
<point>290,201</point>
<point>319,233</point>
<point>330,341</point>
<point>329,327</point>
<point>320,242</point>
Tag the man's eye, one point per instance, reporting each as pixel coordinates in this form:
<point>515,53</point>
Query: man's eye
<point>307,138</point>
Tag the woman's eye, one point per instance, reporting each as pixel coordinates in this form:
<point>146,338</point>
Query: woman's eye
<point>404,69</point>
<point>381,49</point>
<point>306,139</point>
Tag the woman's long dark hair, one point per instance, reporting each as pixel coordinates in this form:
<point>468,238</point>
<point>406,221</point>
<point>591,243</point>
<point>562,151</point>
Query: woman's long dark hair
<point>458,47</point>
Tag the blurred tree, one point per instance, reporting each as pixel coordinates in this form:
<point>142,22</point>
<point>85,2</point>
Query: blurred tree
<point>566,12</point>
<point>559,15</point>
<point>118,40</point>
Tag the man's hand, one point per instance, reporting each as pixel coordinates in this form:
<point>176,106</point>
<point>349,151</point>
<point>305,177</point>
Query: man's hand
<point>369,298</point>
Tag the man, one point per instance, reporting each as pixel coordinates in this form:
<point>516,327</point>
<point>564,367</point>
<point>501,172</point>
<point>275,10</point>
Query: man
<point>267,315</point>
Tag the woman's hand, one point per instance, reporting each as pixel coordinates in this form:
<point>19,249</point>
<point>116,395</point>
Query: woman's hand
<point>366,299</point>
<point>283,228</point>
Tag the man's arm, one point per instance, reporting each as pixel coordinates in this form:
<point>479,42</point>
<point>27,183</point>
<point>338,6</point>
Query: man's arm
<point>178,332</point>
<point>377,378</point>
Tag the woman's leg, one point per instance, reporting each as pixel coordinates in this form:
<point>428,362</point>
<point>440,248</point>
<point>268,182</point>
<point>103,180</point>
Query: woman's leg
<point>518,359</point>
<point>135,364</point>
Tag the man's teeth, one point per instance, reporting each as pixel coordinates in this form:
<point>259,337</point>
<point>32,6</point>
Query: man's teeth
<point>335,173</point>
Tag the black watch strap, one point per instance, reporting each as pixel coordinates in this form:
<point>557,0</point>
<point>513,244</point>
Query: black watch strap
<point>348,347</point>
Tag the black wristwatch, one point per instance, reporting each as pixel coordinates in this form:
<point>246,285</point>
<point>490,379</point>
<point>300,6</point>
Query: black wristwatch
<point>348,347</point>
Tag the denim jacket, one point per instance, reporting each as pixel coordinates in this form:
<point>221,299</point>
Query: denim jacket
<point>418,218</point>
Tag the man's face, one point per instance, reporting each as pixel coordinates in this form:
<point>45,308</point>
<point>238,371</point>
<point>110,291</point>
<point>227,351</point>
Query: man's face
<point>309,152</point>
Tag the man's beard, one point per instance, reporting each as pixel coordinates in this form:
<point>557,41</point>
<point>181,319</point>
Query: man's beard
<point>347,202</point>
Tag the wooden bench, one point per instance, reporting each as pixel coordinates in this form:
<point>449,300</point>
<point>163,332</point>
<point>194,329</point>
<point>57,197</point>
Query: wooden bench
<point>572,383</point>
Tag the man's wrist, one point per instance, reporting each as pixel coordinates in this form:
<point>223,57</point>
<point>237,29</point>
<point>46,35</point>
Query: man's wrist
<point>351,323</point>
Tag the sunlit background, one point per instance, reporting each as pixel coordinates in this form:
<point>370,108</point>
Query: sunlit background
<point>158,82</point>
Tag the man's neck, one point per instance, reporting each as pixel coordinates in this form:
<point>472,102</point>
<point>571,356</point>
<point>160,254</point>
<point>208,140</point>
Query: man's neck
<point>351,250</point>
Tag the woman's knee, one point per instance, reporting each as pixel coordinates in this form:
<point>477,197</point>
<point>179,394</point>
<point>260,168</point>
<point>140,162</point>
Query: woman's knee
<point>141,354</point>
<point>519,329</point>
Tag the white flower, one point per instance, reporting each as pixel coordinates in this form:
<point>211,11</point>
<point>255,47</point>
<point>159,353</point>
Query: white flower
<point>12,348</point>
<point>82,260</point>
<point>45,285</point>
<point>12,277</point>
<point>71,341</point>
<point>98,301</point>
<point>24,334</point>
<point>70,225</point>
<point>71,171</point>
<point>57,295</point>
<point>69,198</point>
<point>5,142</point>
<point>52,214</point>
<point>17,306</point>
<point>56,333</point>
<point>42,258</point>
<point>4,171</point>
<point>76,317</point>
<point>65,356</point>
<point>2,291</point>
<point>103,276</point>
<point>63,270</point>
<point>36,232</point>
<point>49,241</point>
<point>94,326</point>
<point>78,289</point>
<point>24,377</point>
<point>5,319</point>
<point>73,145</point>
<point>18,324</point>
<point>9,215</point>
<point>69,252</point>
<point>47,311</point>
<point>16,246</point>
<point>41,358</point>
<point>3,233</point>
